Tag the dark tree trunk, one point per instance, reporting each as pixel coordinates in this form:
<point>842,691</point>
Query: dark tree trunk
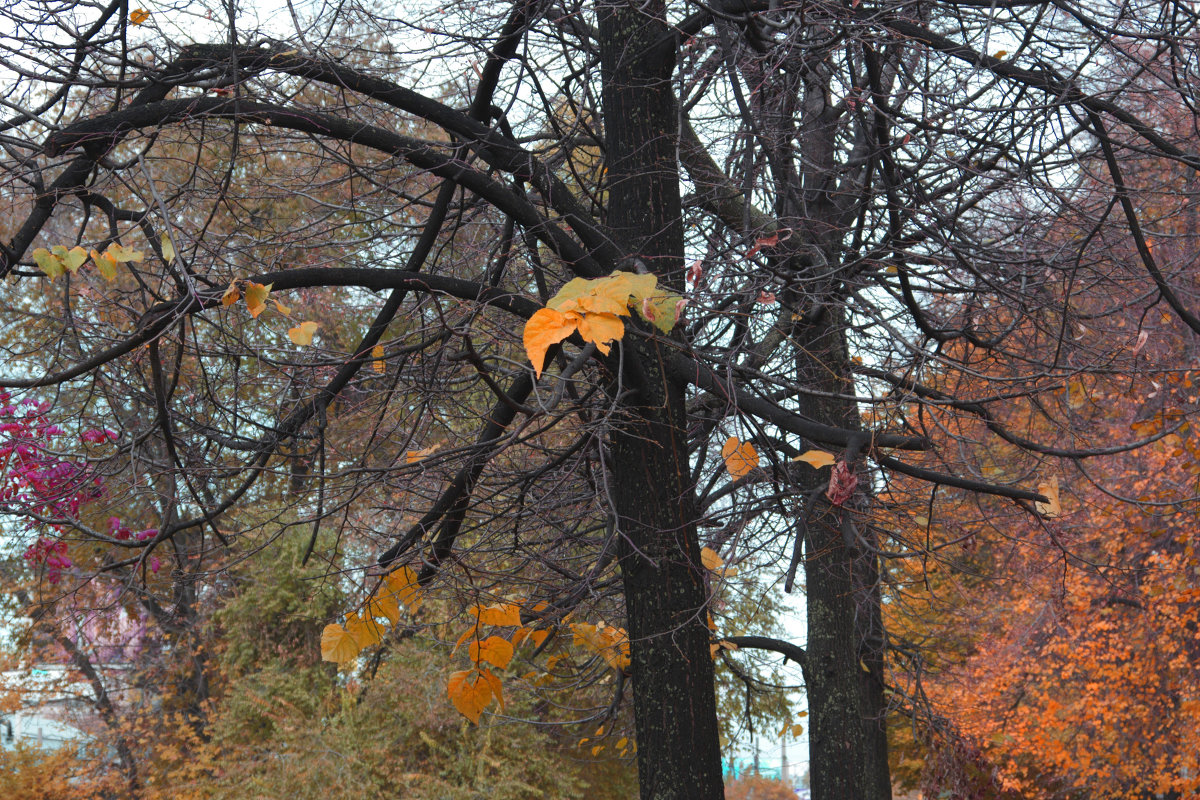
<point>672,672</point>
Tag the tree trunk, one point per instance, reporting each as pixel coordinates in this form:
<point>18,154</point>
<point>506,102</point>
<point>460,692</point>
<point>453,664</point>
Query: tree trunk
<point>673,687</point>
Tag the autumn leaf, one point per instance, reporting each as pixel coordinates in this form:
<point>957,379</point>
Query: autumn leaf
<point>601,329</point>
<point>302,334</point>
<point>816,458</point>
<point>710,559</point>
<point>413,456</point>
<point>106,264</point>
<point>232,294</point>
<point>403,583</point>
<point>256,297</point>
<point>504,615</point>
<point>364,629</point>
<point>494,684</point>
<point>740,457</point>
<point>138,16</point>
<point>385,606</point>
<point>661,310</point>
<point>281,308</point>
<point>546,328</point>
<point>122,254</point>
<point>470,692</point>
<point>494,650</point>
<point>377,354</point>
<point>338,645</point>
<point>168,249</point>
<point>608,642</point>
<point>47,263</point>
<point>1049,489</point>
<point>71,259</point>
<point>529,634</point>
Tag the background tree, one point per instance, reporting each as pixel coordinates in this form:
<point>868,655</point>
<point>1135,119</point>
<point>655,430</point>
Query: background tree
<point>854,200</point>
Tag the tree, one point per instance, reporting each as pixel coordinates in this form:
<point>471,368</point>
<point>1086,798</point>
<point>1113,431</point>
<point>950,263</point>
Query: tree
<point>868,186</point>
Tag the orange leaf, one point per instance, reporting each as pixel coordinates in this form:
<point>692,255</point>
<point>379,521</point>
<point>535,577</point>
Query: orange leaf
<point>602,329</point>
<point>545,329</point>
<point>365,630</point>
<point>404,585</point>
<point>302,334</point>
<point>1049,490</point>
<point>494,650</point>
<point>231,296</point>
<point>138,16</point>
<point>817,458</point>
<point>494,684</point>
<point>106,264</point>
<point>337,644</point>
<point>385,606</point>
<point>470,693</point>
<point>256,297</point>
<point>413,456</point>
<point>467,634</point>
<point>740,457</point>
<point>710,559</point>
<point>505,615</point>
<point>377,354</point>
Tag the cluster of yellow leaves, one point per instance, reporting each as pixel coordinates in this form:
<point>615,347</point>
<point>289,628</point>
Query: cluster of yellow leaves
<point>623,744</point>
<point>594,308</point>
<point>342,643</point>
<point>256,295</point>
<point>59,259</point>
<point>607,641</point>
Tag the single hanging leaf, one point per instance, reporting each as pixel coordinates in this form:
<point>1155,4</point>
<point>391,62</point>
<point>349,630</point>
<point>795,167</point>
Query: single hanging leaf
<point>281,308</point>
<point>1049,489</point>
<point>816,458</point>
<point>710,559</point>
<point>256,297</point>
<point>338,645</point>
<point>302,334</point>
<point>470,693</point>
<point>546,328</point>
<point>47,263</point>
<point>661,310</point>
<point>493,683</point>
<point>377,364</point>
<point>138,16</point>
<point>740,457</point>
<point>168,249</point>
<point>413,456</point>
<point>494,650</point>
<point>385,606</point>
<point>365,630</point>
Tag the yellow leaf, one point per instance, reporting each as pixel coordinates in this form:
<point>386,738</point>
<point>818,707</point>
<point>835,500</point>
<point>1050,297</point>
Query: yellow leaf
<point>302,334</point>
<point>817,458</point>
<point>494,650</point>
<point>661,310</point>
<point>365,630</point>
<point>71,259</point>
<point>710,559</point>
<point>386,606</point>
<point>121,254</point>
<point>740,457</point>
<point>608,642</point>
<point>469,693</point>
<point>472,631</point>
<point>281,308</point>
<point>47,263</point>
<point>505,615</point>
<point>106,264</point>
<point>256,297</point>
<point>546,328</point>
<point>232,294</point>
<point>602,329</point>
<point>624,740</point>
<point>138,16</point>
<point>338,645</point>
<point>797,729</point>
<point>403,583</point>
<point>596,750</point>
<point>1076,394</point>
<point>1049,490</point>
<point>584,741</point>
<point>377,354</point>
<point>168,249</point>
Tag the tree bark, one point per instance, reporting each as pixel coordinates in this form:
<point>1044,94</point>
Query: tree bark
<point>654,501</point>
